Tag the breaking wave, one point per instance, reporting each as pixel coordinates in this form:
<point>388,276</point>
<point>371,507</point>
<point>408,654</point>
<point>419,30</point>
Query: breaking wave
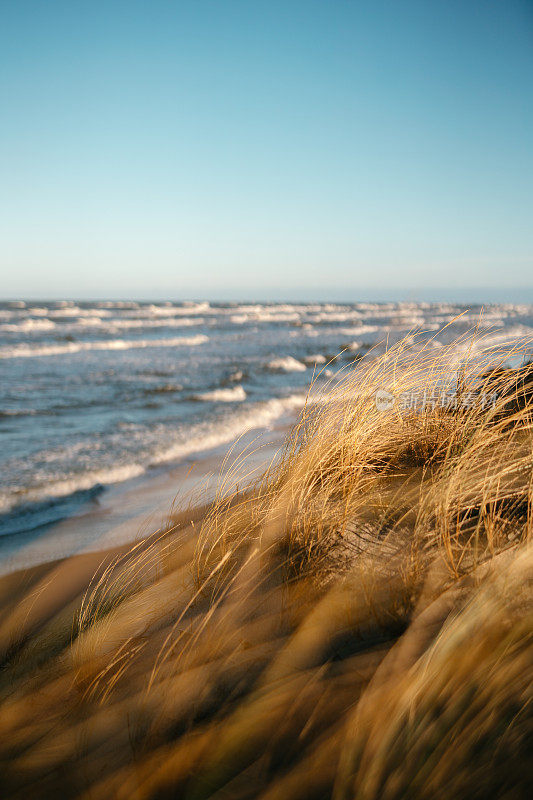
<point>26,351</point>
<point>234,395</point>
<point>287,364</point>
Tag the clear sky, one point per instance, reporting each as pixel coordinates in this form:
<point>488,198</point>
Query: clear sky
<point>186,148</point>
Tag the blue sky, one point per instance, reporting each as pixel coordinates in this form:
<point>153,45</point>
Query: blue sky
<point>265,149</point>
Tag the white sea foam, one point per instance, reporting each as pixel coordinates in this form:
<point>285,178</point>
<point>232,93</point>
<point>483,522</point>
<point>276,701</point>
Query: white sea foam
<point>233,395</point>
<point>66,311</point>
<point>359,330</point>
<point>25,351</point>
<point>37,311</point>
<point>407,321</point>
<point>168,310</point>
<point>28,326</point>
<point>84,322</point>
<point>309,331</point>
<point>106,325</point>
<point>287,364</point>
<point>63,488</point>
<point>120,304</point>
<point>335,316</point>
<point>516,335</point>
<point>264,316</point>
<point>275,309</point>
<point>198,439</point>
<point>207,437</point>
<point>165,322</point>
<point>127,323</point>
<point>318,358</point>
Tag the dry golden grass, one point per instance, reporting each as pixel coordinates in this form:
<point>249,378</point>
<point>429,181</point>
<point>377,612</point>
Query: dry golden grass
<point>357,623</point>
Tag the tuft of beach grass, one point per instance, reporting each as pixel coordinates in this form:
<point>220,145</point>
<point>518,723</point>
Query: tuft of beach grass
<point>356,622</point>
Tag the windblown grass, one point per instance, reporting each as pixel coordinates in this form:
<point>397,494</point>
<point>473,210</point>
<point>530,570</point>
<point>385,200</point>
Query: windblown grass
<point>355,623</point>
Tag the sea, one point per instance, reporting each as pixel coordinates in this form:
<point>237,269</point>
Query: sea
<point>93,394</point>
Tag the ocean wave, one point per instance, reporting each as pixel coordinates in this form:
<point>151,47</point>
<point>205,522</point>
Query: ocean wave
<point>165,322</point>
<point>28,326</point>
<point>263,316</point>
<point>359,330</point>
<point>407,321</point>
<point>234,395</point>
<point>286,364</point>
<point>518,336</point>
<point>310,331</point>
<point>198,439</point>
<point>326,317</point>
<point>318,358</point>
<point>105,325</point>
<point>169,310</point>
<point>85,481</point>
<point>24,351</point>
<point>207,438</point>
<point>65,311</point>
<point>240,319</point>
<point>37,311</point>
<point>354,347</point>
<point>119,304</point>
<point>273,308</point>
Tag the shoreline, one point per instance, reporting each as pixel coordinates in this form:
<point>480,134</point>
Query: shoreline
<point>130,511</point>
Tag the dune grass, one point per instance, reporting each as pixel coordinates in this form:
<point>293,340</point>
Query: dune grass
<point>354,623</point>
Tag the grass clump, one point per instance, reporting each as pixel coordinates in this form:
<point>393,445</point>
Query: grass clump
<point>356,623</point>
